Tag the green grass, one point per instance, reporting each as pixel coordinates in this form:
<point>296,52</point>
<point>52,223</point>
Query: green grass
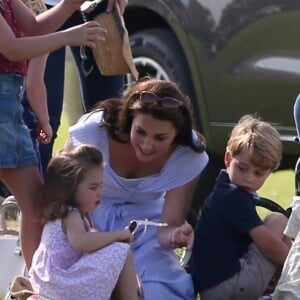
<point>279,187</point>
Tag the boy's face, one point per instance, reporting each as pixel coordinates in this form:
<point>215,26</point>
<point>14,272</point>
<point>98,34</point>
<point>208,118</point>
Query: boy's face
<point>243,173</point>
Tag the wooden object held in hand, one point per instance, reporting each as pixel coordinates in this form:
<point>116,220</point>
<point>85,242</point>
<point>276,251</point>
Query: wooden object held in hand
<point>113,56</point>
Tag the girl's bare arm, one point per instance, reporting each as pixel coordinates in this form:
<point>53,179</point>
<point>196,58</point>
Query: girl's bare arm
<point>87,241</point>
<point>19,49</point>
<point>37,96</point>
<point>46,22</point>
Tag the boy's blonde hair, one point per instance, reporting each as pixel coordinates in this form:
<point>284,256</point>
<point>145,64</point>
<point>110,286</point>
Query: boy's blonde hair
<point>260,138</point>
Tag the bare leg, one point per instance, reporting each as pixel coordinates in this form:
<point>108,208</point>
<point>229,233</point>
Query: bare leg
<point>126,288</point>
<point>26,185</point>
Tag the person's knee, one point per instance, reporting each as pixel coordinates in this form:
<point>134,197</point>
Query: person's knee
<point>276,222</point>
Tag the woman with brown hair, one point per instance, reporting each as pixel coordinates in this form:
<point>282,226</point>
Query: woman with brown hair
<point>153,156</point>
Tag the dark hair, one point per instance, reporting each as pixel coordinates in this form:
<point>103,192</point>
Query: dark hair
<point>118,115</point>
<point>64,172</point>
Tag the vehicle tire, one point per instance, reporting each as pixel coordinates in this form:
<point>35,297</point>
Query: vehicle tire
<point>156,53</point>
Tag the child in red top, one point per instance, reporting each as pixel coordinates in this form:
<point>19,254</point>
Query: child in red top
<point>25,36</point>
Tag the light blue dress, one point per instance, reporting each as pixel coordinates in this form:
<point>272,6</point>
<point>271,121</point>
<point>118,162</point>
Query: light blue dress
<point>126,199</point>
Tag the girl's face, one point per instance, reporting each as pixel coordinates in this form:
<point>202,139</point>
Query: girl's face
<point>89,190</point>
<point>243,173</point>
<point>152,139</point>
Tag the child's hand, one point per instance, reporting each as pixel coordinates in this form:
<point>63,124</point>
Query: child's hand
<point>87,34</point>
<point>44,133</point>
<point>112,3</point>
<point>126,236</point>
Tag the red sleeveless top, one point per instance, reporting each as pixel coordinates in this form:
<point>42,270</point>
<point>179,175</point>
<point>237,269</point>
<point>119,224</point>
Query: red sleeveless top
<point>7,66</point>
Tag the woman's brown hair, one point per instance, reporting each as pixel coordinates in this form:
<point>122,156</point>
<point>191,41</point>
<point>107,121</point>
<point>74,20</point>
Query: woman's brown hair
<point>118,114</point>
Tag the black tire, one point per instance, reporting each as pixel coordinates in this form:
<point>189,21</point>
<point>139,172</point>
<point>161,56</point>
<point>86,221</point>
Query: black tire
<point>272,206</point>
<point>157,53</point>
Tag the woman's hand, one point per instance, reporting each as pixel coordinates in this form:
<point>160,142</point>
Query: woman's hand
<point>182,236</point>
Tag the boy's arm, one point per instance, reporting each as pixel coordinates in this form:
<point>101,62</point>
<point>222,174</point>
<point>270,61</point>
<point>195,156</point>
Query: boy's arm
<point>270,244</point>
<point>37,96</point>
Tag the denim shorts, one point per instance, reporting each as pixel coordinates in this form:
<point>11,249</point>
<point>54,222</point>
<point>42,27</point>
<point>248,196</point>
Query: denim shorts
<point>16,147</point>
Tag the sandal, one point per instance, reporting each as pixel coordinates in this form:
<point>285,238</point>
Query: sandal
<point>21,289</point>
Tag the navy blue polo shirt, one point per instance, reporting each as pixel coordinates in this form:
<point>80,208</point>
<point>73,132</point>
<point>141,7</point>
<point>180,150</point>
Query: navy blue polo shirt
<point>221,234</point>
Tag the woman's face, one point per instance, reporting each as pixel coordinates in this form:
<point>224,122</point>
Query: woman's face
<point>152,139</point>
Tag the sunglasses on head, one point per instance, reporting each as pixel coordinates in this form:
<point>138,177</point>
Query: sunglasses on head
<point>149,98</point>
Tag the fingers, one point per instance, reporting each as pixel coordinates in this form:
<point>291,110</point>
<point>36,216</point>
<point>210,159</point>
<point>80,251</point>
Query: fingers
<point>43,138</point>
<point>190,240</point>
<point>187,228</point>
<point>122,5</point>
<point>44,135</point>
<point>188,234</point>
<point>129,236</point>
<point>94,33</point>
<point>183,236</point>
<point>112,3</point>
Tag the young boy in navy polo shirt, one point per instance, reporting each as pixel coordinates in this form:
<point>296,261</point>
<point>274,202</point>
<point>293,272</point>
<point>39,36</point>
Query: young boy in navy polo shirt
<point>235,253</point>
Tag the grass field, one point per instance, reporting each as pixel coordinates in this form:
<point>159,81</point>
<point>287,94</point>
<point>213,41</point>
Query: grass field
<point>280,187</point>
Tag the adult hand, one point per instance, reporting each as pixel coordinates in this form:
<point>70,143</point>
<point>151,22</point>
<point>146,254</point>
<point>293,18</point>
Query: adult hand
<point>182,236</point>
<point>122,4</point>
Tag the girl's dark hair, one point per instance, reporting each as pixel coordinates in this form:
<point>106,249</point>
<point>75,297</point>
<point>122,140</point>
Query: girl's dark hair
<point>64,172</point>
<point>118,115</point>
